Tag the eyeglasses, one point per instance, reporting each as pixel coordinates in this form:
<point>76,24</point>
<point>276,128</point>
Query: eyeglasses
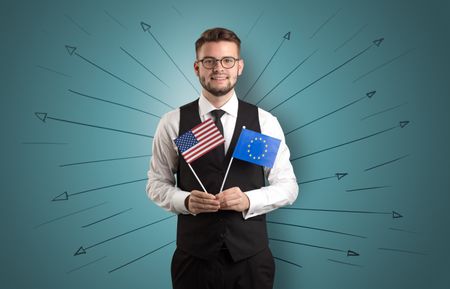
<point>226,62</point>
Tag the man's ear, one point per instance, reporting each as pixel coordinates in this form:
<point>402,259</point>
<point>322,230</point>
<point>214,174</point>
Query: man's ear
<point>240,66</point>
<point>196,68</point>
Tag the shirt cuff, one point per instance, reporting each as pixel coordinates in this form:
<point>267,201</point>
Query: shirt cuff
<point>256,204</point>
<point>178,202</point>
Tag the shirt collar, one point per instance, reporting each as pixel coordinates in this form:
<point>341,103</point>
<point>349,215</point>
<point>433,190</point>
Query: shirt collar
<point>230,107</point>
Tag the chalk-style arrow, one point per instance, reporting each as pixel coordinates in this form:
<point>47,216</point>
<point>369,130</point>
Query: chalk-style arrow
<point>316,229</point>
<point>106,218</point>
<point>344,263</point>
<point>368,95</point>
<point>145,67</point>
<point>337,175</point>
<point>146,27</point>
<point>82,249</point>
<point>349,253</point>
<point>374,43</point>
<point>367,188</point>
<point>394,214</point>
<point>287,36</point>
<point>65,196</point>
<point>137,259</point>
<point>112,102</point>
<point>286,261</point>
<point>104,160</point>
<point>43,116</point>
<point>73,51</point>
<point>402,124</point>
<point>383,111</point>
<point>284,78</point>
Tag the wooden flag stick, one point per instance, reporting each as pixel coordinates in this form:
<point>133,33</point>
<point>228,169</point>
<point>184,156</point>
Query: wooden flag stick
<point>203,187</point>
<point>226,175</point>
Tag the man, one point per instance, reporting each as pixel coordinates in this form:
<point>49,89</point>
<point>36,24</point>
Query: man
<point>221,236</point>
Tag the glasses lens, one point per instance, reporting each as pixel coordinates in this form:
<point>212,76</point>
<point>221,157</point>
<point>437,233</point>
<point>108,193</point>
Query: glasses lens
<point>228,62</point>
<point>208,62</point>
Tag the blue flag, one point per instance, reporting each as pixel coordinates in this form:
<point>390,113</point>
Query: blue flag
<point>256,148</point>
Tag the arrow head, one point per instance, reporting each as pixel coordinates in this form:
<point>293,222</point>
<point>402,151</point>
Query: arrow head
<point>41,115</point>
<point>145,26</point>
<point>377,42</point>
<point>396,215</point>
<point>340,175</point>
<point>63,197</point>
<point>404,123</point>
<point>80,251</point>
<point>287,36</point>
<point>370,94</point>
<point>351,253</point>
<point>70,49</point>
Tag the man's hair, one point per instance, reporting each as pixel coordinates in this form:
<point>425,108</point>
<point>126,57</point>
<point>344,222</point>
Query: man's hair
<point>215,35</point>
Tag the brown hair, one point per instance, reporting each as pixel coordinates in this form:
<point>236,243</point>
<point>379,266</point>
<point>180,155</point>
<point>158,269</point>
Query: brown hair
<point>215,35</point>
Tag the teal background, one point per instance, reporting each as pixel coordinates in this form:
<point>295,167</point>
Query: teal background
<point>409,71</point>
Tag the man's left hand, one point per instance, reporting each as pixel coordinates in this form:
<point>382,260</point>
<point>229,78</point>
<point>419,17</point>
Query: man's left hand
<point>233,199</point>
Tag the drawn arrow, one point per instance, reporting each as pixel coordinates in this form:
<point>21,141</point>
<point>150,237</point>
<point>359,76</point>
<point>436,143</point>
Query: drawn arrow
<point>65,196</point>
<point>284,78</point>
<point>386,163</point>
<point>316,229</point>
<point>402,124</point>
<point>349,253</point>
<point>44,117</point>
<point>104,160</point>
<point>367,188</point>
<point>146,27</point>
<point>376,42</point>
<point>145,67</point>
<point>73,51</point>
<point>145,255</point>
<point>286,261</point>
<point>287,36</point>
<point>337,175</point>
<point>82,250</point>
<point>394,214</point>
<point>106,218</point>
<point>112,102</point>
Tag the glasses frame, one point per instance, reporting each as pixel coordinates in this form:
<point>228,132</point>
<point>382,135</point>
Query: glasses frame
<point>218,60</point>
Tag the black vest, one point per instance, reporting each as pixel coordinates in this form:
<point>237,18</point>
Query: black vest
<point>204,234</point>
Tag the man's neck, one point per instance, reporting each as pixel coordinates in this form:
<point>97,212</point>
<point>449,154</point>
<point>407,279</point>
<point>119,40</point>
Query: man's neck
<point>218,101</point>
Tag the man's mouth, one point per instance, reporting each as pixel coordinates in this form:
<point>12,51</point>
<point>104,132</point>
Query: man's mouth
<point>219,77</point>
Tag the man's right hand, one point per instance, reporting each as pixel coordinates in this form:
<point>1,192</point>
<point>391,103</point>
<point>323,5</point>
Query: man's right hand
<point>201,202</point>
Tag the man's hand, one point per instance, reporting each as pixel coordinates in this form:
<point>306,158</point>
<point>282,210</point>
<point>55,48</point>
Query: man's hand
<point>233,199</point>
<point>201,202</point>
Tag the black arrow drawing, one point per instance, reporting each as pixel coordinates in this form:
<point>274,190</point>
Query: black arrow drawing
<point>104,160</point>
<point>284,78</point>
<point>287,36</point>
<point>394,214</point>
<point>339,176</point>
<point>316,229</point>
<point>349,253</point>
<point>368,95</point>
<point>112,102</point>
<point>137,259</point>
<point>65,196</point>
<point>146,27</point>
<point>82,250</point>
<point>401,124</point>
<point>289,262</point>
<point>376,43</point>
<point>145,67</point>
<point>72,50</point>
<point>107,218</point>
<point>344,263</point>
<point>43,116</point>
<point>367,188</point>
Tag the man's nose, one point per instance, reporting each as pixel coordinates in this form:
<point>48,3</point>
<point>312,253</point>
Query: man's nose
<point>217,65</point>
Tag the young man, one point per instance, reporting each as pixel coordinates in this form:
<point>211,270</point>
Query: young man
<point>221,236</point>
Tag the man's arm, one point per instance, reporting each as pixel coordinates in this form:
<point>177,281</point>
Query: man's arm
<point>282,189</point>
<point>161,186</point>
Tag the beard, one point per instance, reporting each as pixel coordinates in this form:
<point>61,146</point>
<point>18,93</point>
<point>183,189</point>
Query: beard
<point>218,91</point>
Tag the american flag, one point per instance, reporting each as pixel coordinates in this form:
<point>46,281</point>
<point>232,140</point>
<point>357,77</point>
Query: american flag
<point>199,140</point>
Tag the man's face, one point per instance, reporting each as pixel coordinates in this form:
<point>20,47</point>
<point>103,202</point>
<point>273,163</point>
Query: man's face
<point>218,80</point>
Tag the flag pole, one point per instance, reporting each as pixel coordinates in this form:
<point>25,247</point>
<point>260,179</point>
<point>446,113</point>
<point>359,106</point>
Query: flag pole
<point>226,174</point>
<point>203,187</point>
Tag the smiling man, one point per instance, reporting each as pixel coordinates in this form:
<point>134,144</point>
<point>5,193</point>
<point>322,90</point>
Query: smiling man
<point>221,236</point>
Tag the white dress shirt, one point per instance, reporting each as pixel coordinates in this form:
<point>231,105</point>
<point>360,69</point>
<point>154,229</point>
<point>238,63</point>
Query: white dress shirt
<point>161,186</point>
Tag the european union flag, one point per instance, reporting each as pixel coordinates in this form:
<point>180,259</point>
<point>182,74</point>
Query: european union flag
<point>256,148</point>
